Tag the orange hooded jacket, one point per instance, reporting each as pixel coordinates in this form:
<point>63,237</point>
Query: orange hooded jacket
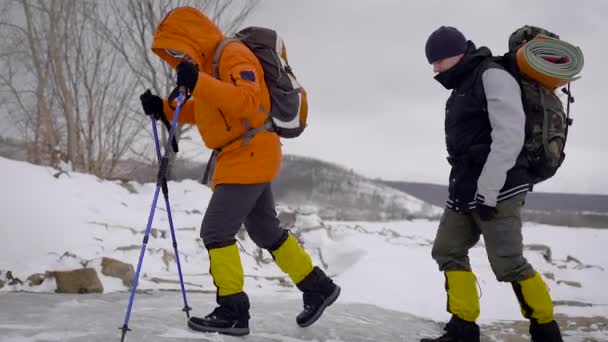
<point>220,107</point>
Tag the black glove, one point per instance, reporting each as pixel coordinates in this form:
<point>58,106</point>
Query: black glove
<point>152,104</point>
<point>187,75</point>
<point>486,213</point>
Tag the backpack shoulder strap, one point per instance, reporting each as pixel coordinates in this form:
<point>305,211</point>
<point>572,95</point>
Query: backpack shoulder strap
<point>218,55</point>
<point>216,62</point>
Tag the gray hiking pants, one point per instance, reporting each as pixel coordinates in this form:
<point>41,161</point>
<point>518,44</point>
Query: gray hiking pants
<point>502,235</point>
<point>231,205</point>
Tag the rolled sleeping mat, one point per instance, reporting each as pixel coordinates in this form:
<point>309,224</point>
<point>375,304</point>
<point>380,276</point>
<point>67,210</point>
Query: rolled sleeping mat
<point>549,61</point>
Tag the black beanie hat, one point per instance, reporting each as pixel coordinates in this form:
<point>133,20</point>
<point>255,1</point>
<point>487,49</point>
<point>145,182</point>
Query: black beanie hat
<point>445,42</point>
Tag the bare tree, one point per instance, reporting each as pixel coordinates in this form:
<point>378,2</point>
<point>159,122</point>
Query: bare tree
<point>72,70</point>
<point>105,124</point>
<point>28,60</point>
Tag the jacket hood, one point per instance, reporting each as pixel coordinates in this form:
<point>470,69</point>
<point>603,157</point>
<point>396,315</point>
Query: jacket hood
<point>188,30</point>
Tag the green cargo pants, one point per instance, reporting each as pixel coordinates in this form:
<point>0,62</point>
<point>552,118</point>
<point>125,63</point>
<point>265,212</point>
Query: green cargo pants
<point>502,235</point>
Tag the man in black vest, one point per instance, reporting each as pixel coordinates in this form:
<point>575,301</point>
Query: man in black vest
<point>485,131</point>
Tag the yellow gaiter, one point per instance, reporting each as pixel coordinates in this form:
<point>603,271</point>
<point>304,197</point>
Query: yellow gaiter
<point>226,270</point>
<point>463,300</point>
<point>534,299</point>
<point>293,259</point>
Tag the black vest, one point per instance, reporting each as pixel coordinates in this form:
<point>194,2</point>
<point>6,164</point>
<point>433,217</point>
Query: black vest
<point>468,130</point>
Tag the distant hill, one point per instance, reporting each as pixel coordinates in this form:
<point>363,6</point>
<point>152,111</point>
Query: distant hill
<point>578,210</point>
<point>341,194</point>
<point>437,195</point>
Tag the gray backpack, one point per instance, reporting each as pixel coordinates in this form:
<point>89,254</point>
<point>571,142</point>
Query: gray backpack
<point>288,104</point>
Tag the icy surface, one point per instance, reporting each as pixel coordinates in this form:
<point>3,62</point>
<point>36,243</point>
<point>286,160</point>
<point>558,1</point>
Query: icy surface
<point>158,317</point>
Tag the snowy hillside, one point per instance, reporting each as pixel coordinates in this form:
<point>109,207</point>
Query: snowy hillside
<point>342,194</point>
<point>56,221</point>
<point>61,221</point>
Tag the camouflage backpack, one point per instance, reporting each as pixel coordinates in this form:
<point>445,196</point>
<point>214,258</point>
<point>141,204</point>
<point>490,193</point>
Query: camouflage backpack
<point>546,120</point>
<point>288,104</point>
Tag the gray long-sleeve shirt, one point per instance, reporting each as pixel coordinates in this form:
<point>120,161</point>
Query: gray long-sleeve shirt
<point>508,121</point>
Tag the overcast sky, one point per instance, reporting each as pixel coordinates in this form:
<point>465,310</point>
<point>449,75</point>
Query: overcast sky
<point>374,105</point>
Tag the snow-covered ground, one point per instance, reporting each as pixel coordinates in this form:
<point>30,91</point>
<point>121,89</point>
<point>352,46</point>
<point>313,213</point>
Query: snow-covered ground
<point>53,222</point>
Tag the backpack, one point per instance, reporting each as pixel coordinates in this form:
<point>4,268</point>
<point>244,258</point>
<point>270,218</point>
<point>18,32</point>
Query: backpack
<point>288,104</point>
<point>546,120</point>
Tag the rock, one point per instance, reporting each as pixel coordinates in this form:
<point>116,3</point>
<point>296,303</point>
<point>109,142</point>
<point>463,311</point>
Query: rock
<point>12,280</point>
<point>128,185</point>
<point>68,255</point>
<point>15,281</point>
<point>1,283</point>
<point>127,248</point>
<point>84,280</point>
<point>287,219</point>
<point>168,258</point>
<point>158,233</point>
<point>571,303</point>
<point>570,258</point>
<point>545,251</point>
<point>36,279</point>
<point>570,283</point>
<point>118,269</point>
<point>549,275</point>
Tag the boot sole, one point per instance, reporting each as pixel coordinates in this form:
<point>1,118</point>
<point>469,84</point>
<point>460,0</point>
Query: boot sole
<point>330,300</point>
<point>225,331</point>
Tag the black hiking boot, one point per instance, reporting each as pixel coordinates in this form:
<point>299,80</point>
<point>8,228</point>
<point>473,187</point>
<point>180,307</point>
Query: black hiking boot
<point>457,330</point>
<point>231,317</point>
<point>548,332</point>
<point>318,292</point>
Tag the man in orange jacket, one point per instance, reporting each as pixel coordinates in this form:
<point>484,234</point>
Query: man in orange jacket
<point>224,110</point>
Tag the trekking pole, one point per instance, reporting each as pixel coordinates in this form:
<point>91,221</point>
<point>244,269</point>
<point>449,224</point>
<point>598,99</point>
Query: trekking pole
<point>165,189</point>
<point>160,180</point>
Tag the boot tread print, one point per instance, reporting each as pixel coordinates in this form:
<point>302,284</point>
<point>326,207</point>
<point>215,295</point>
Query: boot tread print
<point>221,320</point>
